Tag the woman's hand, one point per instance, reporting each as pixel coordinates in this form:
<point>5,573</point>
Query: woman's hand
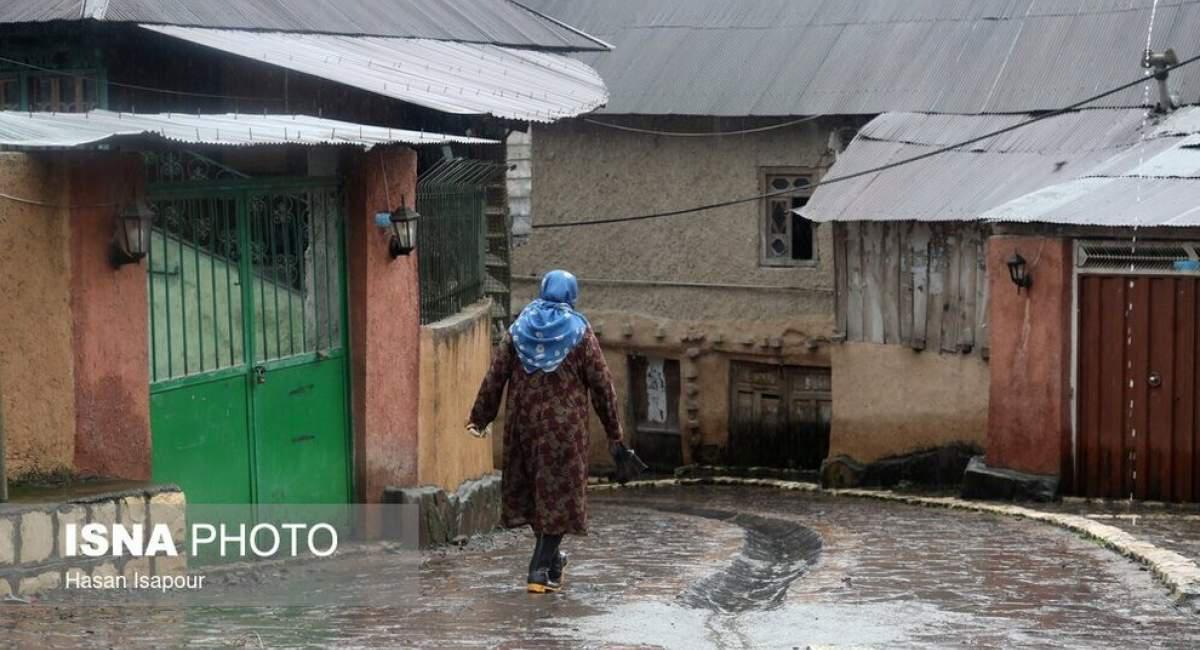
<point>477,433</point>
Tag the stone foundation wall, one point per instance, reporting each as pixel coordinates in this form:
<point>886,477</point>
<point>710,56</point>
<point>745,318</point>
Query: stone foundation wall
<point>33,554</point>
<point>452,516</point>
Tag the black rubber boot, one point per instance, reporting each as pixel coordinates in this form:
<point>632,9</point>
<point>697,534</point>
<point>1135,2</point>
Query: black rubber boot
<point>540,577</point>
<point>535,560</point>
<point>554,558</point>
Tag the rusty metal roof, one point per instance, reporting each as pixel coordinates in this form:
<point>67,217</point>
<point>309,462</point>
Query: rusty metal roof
<point>499,22</point>
<point>1109,167</point>
<point>22,130</point>
<point>809,57</point>
<point>464,78</point>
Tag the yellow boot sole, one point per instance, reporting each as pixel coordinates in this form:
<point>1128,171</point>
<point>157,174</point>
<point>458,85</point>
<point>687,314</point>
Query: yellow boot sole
<point>535,588</point>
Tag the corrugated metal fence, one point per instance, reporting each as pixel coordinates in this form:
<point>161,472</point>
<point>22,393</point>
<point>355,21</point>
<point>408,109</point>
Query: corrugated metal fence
<point>452,235</point>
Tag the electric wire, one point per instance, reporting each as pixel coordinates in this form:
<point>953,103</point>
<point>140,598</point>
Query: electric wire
<point>874,170</point>
<point>701,134</point>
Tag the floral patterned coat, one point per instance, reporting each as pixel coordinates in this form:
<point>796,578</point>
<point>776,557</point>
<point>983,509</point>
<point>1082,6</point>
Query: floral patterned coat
<point>545,461</point>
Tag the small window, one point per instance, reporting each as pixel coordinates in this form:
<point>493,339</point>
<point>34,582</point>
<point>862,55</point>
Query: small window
<point>787,238</point>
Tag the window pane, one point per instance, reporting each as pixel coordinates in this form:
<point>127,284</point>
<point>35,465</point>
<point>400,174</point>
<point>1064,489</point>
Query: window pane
<point>779,221</point>
<point>779,183</point>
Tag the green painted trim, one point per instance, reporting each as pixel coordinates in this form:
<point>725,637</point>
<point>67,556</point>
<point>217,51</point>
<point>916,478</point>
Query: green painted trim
<point>246,266</point>
<point>302,359</point>
<point>207,377</point>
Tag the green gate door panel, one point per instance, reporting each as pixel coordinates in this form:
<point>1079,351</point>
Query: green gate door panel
<point>247,284</point>
<point>201,441</point>
<point>300,424</point>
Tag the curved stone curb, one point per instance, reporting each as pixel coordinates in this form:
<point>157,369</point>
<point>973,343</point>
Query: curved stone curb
<point>1180,574</point>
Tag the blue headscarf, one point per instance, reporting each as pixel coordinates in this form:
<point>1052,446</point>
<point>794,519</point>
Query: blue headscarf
<point>549,327</point>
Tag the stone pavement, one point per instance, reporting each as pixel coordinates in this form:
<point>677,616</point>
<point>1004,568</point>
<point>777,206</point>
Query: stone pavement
<point>711,567</point>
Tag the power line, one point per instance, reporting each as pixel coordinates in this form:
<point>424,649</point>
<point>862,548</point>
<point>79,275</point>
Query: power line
<point>701,134</point>
<point>875,170</point>
<point>150,89</point>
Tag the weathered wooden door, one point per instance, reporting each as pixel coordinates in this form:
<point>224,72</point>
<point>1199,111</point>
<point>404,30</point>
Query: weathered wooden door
<point>1136,433</point>
<point>780,415</point>
<point>248,398</point>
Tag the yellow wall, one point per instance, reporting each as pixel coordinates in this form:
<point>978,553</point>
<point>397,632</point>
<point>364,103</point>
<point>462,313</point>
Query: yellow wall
<point>455,354</point>
<point>889,400</point>
<point>36,367</point>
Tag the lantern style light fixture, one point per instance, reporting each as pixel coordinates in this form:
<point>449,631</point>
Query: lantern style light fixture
<point>402,222</point>
<point>1018,273</point>
<point>132,240</point>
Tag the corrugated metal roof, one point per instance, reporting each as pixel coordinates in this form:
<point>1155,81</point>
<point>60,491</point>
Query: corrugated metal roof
<point>463,78</point>
<point>499,22</point>
<point>21,130</point>
<point>1095,167</point>
<point>809,57</point>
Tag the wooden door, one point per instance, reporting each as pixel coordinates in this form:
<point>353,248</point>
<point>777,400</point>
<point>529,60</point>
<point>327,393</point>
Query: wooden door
<point>1136,431</point>
<point>779,415</point>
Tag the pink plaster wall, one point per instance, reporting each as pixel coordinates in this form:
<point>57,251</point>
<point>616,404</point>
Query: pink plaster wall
<point>112,432</point>
<point>1029,404</point>
<point>384,327</point>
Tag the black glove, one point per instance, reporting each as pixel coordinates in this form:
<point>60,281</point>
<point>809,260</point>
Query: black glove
<point>629,466</point>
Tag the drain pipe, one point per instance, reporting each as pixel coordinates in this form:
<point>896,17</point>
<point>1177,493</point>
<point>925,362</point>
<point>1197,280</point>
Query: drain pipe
<point>1160,61</point>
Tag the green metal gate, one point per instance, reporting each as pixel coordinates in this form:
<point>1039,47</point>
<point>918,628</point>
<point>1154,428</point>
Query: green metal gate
<point>248,367</point>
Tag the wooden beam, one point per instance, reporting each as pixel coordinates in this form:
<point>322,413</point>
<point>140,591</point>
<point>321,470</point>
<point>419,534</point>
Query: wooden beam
<point>919,247</point>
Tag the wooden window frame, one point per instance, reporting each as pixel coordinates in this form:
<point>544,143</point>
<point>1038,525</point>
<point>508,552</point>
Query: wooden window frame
<point>765,173</point>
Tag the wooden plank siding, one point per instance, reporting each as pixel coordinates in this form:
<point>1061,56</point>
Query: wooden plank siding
<point>917,284</point>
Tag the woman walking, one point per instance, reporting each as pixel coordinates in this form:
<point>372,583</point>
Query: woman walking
<point>551,362</point>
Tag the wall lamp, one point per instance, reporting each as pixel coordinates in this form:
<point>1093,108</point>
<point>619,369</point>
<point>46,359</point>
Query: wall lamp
<point>132,240</point>
<point>1018,273</point>
<point>402,222</point>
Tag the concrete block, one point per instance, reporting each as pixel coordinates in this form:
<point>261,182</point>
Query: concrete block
<point>983,482</point>
<point>41,583</point>
<point>104,513</point>
<point>106,570</point>
<point>133,510</point>
<point>473,508</point>
<point>72,516</point>
<point>37,537</point>
<point>8,550</point>
<point>136,566</point>
<point>170,566</point>
<point>170,508</point>
<point>74,577</point>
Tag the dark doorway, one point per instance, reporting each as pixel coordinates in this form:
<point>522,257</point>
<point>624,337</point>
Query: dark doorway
<point>654,399</point>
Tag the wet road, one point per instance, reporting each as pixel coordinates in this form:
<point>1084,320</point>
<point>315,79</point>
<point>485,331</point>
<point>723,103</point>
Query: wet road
<point>711,567</point>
